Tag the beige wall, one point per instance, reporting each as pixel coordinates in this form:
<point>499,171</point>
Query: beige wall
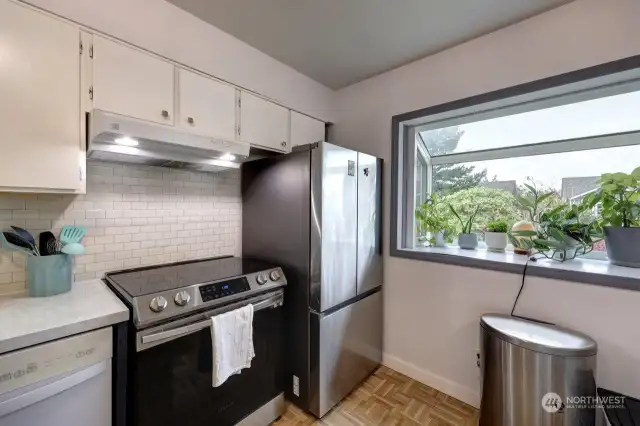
<point>432,310</point>
<point>166,30</point>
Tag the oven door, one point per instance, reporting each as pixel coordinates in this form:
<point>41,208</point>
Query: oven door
<point>171,377</point>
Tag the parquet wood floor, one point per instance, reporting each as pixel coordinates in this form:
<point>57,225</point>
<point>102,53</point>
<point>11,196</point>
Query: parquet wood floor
<point>389,398</point>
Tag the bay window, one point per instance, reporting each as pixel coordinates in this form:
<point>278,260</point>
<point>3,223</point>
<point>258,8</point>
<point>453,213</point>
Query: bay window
<point>558,135</point>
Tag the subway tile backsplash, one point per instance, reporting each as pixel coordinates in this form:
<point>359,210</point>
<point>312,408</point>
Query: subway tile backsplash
<point>135,216</point>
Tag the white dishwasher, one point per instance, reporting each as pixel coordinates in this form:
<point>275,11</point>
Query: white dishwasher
<point>62,383</point>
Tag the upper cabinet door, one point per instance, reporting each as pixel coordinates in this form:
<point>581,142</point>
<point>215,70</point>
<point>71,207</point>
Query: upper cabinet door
<point>39,101</point>
<point>264,123</point>
<point>305,130</point>
<point>369,222</point>
<point>130,82</point>
<point>207,107</point>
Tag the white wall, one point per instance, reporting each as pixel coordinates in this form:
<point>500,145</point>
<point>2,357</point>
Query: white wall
<point>432,310</point>
<point>164,29</point>
<point>135,216</point>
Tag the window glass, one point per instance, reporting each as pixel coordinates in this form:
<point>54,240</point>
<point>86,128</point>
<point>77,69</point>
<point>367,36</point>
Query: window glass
<point>494,185</point>
<point>613,114</point>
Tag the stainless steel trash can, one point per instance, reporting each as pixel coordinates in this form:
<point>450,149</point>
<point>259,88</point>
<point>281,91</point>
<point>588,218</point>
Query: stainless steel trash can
<point>535,374</point>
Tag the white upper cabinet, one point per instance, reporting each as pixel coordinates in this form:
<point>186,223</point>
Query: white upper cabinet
<point>39,101</point>
<point>206,106</point>
<point>305,130</point>
<point>264,123</point>
<point>130,82</point>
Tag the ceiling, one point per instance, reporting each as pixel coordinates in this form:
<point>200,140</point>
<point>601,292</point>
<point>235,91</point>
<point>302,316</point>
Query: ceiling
<point>341,42</point>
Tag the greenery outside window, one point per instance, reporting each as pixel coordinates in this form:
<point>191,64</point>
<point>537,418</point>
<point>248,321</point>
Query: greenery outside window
<point>485,154</point>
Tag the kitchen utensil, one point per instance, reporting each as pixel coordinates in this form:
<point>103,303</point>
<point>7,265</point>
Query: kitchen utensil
<point>48,244</point>
<point>54,247</point>
<point>72,234</point>
<point>24,234</point>
<point>74,249</point>
<point>12,247</point>
<point>18,241</point>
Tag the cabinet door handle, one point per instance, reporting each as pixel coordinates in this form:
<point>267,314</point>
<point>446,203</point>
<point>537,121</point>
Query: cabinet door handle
<point>191,121</point>
<point>284,144</point>
<point>165,113</point>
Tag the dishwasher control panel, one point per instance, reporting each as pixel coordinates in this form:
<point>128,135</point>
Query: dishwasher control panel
<point>34,364</point>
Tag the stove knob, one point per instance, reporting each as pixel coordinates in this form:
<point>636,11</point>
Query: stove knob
<point>274,275</point>
<point>262,278</point>
<point>182,298</point>
<point>158,304</point>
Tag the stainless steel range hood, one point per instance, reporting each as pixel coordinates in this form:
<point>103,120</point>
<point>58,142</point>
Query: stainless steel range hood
<point>123,139</point>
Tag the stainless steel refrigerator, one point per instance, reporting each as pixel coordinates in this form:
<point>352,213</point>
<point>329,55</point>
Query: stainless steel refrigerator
<point>317,213</point>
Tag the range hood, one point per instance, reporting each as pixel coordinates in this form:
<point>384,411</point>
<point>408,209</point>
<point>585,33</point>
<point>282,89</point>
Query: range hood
<point>121,139</point>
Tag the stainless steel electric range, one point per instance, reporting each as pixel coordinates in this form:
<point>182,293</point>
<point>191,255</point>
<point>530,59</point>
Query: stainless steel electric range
<point>169,349</point>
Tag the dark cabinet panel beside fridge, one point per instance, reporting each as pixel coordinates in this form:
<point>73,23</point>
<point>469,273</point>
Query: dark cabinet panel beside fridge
<point>317,212</point>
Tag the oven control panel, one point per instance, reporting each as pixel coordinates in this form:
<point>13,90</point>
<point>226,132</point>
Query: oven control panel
<point>224,289</point>
<point>153,308</point>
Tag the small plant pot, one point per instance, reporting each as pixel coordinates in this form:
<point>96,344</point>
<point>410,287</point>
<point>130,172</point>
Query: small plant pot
<point>522,226</point>
<point>570,252</point>
<point>468,241</point>
<point>440,241</point>
<point>496,241</point>
<point>623,245</point>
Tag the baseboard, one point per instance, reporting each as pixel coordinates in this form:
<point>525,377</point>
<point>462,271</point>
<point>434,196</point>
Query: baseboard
<point>449,387</point>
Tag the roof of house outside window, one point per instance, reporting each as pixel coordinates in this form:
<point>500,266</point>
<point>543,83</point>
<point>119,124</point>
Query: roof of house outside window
<point>572,186</point>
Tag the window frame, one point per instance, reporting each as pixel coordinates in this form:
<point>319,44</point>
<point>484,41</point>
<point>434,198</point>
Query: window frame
<point>590,83</point>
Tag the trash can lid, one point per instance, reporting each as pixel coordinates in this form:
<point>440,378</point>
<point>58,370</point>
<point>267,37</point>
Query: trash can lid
<point>549,339</point>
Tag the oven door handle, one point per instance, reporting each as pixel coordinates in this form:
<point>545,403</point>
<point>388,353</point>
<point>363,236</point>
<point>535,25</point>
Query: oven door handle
<point>272,302</point>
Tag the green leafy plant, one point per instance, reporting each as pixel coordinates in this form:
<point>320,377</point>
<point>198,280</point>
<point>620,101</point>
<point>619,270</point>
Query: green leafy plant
<point>535,201</point>
<point>431,219</point>
<point>497,226</point>
<point>494,204</point>
<point>467,226</point>
<point>561,233</point>
<point>620,197</point>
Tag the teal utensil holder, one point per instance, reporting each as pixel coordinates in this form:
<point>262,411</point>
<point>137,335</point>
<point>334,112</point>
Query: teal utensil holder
<point>49,275</point>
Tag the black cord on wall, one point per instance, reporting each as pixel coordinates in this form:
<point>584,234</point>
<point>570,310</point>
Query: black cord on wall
<point>524,274</point>
<point>515,303</point>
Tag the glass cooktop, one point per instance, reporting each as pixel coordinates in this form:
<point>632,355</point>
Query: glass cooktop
<point>154,279</point>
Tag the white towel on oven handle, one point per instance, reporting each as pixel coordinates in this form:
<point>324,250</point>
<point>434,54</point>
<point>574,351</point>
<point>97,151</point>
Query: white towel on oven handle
<point>232,339</point>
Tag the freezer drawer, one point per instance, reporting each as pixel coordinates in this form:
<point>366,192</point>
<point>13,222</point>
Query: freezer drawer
<point>346,347</point>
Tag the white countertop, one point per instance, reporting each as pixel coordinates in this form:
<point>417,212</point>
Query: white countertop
<point>27,321</point>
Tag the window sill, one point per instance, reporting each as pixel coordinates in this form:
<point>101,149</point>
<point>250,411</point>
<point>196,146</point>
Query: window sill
<point>588,271</point>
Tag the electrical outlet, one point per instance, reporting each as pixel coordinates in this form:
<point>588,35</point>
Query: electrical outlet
<point>296,386</point>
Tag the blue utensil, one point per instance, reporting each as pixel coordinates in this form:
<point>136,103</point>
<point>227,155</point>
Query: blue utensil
<point>74,249</point>
<point>20,247</point>
<point>24,234</point>
<point>72,234</point>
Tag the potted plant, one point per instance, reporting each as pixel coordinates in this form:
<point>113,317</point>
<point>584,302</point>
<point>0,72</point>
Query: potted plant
<point>495,235</point>
<point>533,203</point>
<point>433,224</point>
<point>562,233</point>
<point>619,194</point>
<point>466,239</point>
